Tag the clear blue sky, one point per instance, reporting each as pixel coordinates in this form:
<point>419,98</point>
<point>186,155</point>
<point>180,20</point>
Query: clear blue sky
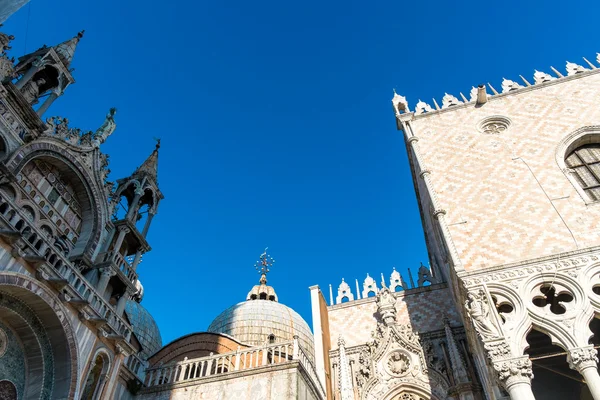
<point>277,128</point>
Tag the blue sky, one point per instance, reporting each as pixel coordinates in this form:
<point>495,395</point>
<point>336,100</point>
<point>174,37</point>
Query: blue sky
<point>277,128</point>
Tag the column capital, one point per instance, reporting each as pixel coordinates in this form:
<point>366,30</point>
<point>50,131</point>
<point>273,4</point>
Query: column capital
<point>109,272</point>
<point>514,371</point>
<point>124,229</point>
<point>582,358</point>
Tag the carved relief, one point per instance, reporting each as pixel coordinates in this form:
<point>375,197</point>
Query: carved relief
<point>398,363</point>
<point>478,308</point>
<point>514,370</point>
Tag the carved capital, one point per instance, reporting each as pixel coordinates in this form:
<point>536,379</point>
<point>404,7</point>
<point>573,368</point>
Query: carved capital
<point>514,371</point>
<point>582,358</point>
<point>124,229</point>
<point>108,272</point>
<point>497,350</point>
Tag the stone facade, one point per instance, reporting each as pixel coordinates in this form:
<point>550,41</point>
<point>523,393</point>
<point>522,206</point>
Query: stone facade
<point>68,258</point>
<point>511,223</point>
<point>9,7</point>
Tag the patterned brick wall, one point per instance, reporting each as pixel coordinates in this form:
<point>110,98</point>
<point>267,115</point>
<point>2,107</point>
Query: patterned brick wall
<point>422,308</point>
<point>506,199</point>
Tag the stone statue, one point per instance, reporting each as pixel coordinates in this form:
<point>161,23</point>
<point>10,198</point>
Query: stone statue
<point>386,305</point>
<point>479,309</point>
<point>4,42</point>
<point>107,128</point>
<point>31,90</point>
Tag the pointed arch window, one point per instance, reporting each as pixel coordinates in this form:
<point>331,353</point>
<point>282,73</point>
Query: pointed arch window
<point>584,162</point>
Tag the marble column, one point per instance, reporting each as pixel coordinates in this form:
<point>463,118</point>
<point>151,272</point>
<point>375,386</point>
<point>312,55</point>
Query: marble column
<point>35,67</point>
<point>103,282</point>
<point>147,226</point>
<point>137,259</point>
<point>122,302</point>
<point>515,374</point>
<point>122,232</point>
<point>47,103</point>
<point>585,361</point>
<point>133,208</point>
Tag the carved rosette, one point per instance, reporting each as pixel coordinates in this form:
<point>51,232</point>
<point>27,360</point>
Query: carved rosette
<point>514,371</point>
<point>583,358</point>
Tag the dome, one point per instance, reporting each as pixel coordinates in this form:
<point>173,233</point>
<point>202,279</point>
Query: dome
<point>253,321</point>
<point>144,328</point>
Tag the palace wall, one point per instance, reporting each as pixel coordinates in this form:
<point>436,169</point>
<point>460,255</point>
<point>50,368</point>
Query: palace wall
<point>505,196</point>
<point>422,308</point>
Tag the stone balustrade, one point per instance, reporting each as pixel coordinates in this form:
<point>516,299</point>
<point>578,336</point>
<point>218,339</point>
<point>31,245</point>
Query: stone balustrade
<point>136,366</point>
<point>37,248</point>
<point>239,360</point>
<point>123,266</point>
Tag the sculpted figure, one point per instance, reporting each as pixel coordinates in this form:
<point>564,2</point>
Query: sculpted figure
<point>107,128</point>
<point>31,90</point>
<point>478,308</point>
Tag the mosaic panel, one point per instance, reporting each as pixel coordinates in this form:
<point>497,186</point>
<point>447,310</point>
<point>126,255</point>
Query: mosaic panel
<point>12,361</point>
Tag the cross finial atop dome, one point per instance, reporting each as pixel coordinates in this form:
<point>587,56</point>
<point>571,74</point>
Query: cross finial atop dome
<point>262,291</point>
<point>263,266</point>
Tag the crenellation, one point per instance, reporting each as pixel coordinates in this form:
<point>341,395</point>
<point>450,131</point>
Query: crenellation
<point>370,288</point>
<point>508,86</point>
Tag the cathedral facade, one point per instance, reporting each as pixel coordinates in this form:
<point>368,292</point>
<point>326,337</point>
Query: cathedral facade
<point>507,184</point>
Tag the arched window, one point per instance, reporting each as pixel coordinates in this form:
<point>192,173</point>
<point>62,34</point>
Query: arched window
<point>95,379</point>
<point>584,161</point>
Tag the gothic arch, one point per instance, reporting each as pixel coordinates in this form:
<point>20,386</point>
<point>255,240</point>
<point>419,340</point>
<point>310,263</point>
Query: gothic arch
<point>92,199</point>
<point>582,136</point>
<point>40,318</point>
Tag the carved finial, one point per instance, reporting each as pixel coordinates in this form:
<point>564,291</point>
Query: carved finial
<point>422,107</point>
<point>508,85</point>
<point>264,264</point>
<point>542,77</point>
<point>344,292</point>
<point>448,101</point>
<point>262,291</point>
<point>573,68</point>
<point>400,104</point>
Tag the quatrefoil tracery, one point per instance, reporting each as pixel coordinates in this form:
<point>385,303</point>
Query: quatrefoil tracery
<point>553,297</point>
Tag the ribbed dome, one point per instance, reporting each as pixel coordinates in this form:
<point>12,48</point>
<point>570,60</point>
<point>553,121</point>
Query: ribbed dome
<point>144,327</point>
<point>253,321</point>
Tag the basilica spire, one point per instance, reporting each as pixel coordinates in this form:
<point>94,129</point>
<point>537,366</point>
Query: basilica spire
<point>46,73</point>
<point>66,49</point>
<point>149,168</point>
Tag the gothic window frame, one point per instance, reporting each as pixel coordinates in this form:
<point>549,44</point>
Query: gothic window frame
<point>104,373</point>
<point>583,136</point>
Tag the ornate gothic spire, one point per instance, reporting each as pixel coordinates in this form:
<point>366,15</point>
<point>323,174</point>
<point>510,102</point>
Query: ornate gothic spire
<point>149,168</point>
<point>346,392</point>
<point>66,49</point>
